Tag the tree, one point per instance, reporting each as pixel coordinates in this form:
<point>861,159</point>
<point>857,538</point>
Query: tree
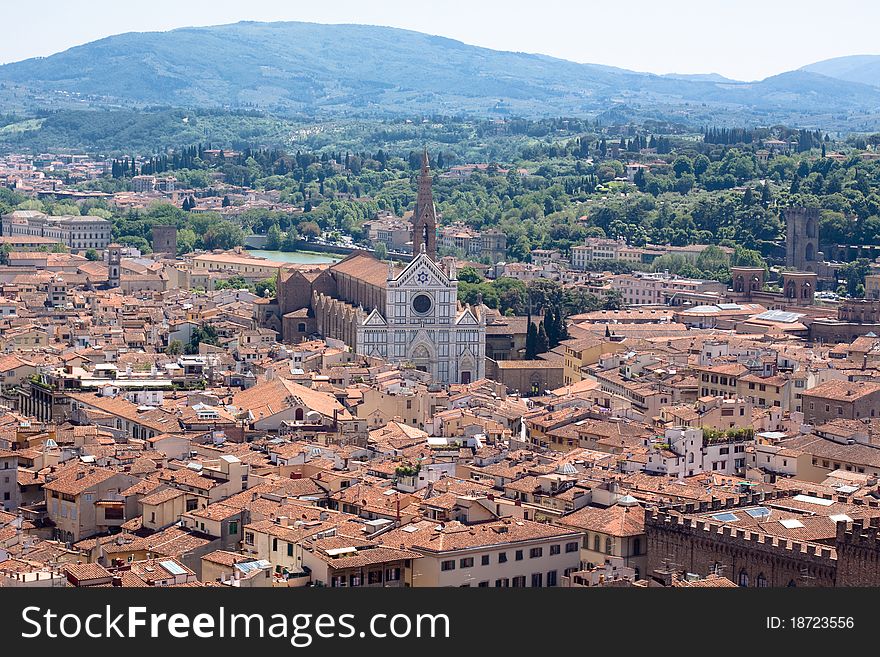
<point>554,325</point>
<point>578,300</point>
<point>855,273</point>
<point>223,235</point>
<point>174,348</point>
<point>237,282</point>
<point>682,165</point>
<point>186,240</point>
<point>544,293</point>
<point>309,230</point>
<point>613,300</point>
<point>290,241</point>
<point>743,257</point>
<point>265,288</point>
<point>92,255</point>
<point>469,275</point>
<point>542,343</point>
<point>531,341</point>
<point>713,261</point>
<point>274,236</point>
<point>765,194</point>
<point>204,333</point>
<point>380,250</point>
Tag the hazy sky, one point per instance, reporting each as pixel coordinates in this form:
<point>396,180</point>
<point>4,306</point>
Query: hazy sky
<point>742,39</point>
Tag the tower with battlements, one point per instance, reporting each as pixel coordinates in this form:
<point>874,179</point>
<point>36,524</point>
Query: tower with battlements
<point>802,239</point>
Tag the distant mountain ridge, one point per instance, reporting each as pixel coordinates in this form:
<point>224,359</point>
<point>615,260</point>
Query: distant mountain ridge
<point>344,70</point>
<point>864,69</point>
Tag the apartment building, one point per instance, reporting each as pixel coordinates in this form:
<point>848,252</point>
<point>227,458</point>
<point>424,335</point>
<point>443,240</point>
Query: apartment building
<point>719,380</point>
<point>491,244</point>
<point>9,491</point>
<point>845,400</point>
<point>685,452</point>
<point>616,532</point>
<point>503,553</point>
<point>660,288</point>
<point>75,232</point>
<point>83,500</point>
<point>394,232</point>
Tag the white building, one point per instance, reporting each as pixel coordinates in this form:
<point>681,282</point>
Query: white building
<point>425,326</point>
<point>75,232</point>
<point>685,453</point>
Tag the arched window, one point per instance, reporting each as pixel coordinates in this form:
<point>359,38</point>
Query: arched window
<point>608,545</point>
<point>637,546</point>
<point>596,543</point>
<point>743,578</point>
<point>761,581</point>
<point>298,415</point>
<point>810,253</point>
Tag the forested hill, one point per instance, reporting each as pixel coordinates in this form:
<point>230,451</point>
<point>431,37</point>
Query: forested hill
<point>366,70</point>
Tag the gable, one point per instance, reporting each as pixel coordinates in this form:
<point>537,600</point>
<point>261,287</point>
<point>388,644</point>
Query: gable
<point>375,319</point>
<point>422,272</point>
<point>467,319</point>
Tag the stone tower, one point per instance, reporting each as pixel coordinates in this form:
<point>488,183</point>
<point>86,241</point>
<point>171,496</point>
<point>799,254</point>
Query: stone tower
<point>165,240</point>
<point>747,280</point>
<point>802,238</point>
<point>424,218</point>
<point>114,264</point>
<point>799,287</point>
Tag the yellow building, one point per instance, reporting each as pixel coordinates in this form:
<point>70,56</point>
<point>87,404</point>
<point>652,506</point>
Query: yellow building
<point>582,352</point>
<point>872,286</point>
<point>239,263</point>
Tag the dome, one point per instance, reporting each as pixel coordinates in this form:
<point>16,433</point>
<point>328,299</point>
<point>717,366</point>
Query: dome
<point>628,500</point>
<point>566,469</point>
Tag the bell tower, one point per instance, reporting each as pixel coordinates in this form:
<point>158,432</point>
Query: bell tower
<point>424,218</point>
<point>114,264</point>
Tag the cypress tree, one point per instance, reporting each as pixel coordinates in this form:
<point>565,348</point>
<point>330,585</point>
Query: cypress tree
<point>531,341</point>
<point>542,343</point>
<point>550,328</point>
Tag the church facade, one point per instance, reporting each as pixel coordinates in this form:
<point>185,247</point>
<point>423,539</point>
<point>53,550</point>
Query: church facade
<point>424,326</point>
<point>408,316</point>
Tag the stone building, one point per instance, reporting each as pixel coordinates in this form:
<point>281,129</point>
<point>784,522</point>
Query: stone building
<point>846,400</point>
<point>755,542</point>
<point>75,232</point>
<point>802,239</point>
<point>407,315</point>
<point>855,318</point>
<point>165,240</point>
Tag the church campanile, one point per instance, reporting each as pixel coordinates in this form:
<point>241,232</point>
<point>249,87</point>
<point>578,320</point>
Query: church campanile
<point>425,216</point>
